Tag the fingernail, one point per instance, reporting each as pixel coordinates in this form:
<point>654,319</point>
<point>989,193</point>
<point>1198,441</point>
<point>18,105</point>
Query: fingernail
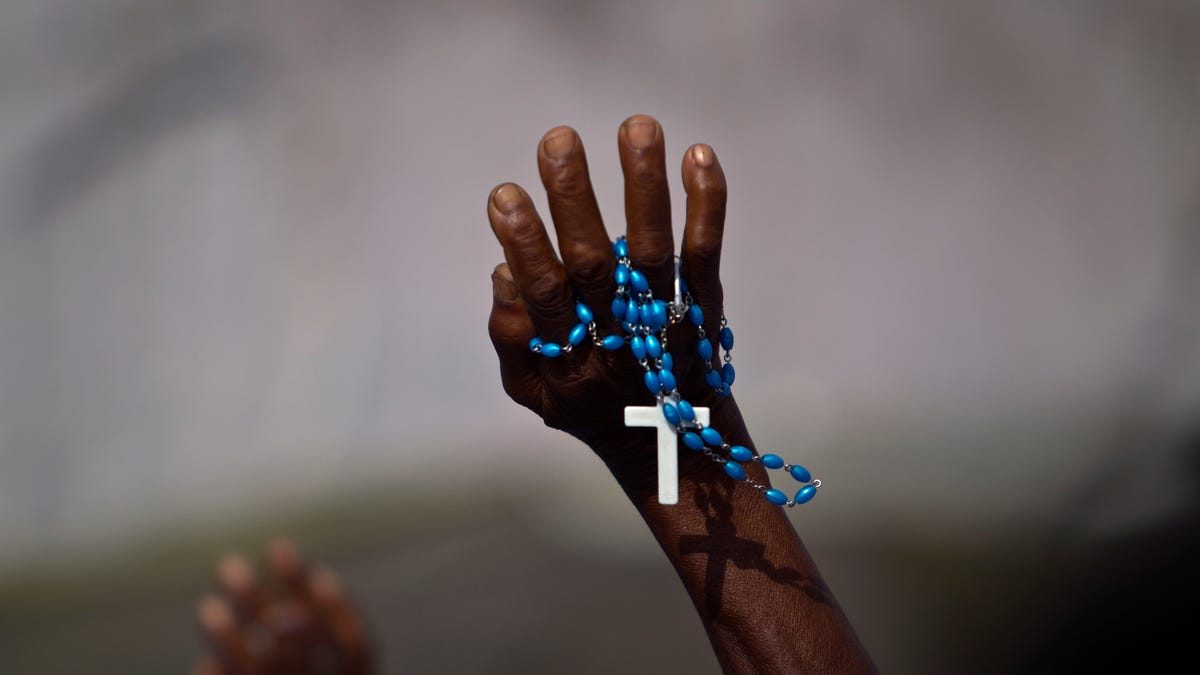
<point>702,155</point>
<point>559,144</point>
<point>640,132</point>
<point>507,198</point>
<point>504,289</point>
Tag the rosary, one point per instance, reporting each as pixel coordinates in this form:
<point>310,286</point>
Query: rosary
<point>645,321</point>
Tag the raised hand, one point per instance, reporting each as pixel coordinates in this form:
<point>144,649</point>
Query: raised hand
<point>296,621</point>
<point>535,293</point>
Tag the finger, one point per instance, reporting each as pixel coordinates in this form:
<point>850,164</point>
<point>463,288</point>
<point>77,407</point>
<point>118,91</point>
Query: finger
<point>294,631</point>
<point>342,619</point>
<point>237,579</point>
<point>287,565</point>
<point>219,627</point>
<point>540,277</point>
<point>586,249</point>
<point>648,202</point>
<point>704,182</point>
<point>511,329</point>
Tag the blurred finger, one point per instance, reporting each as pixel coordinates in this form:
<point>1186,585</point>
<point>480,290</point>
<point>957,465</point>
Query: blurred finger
<point>342,619</point>
<point>208,667</point>
<point>586,249</point>
<point>540,277</point>
<point>217,623</point>
<point>237,579</point>
<point>648,202</point>
<point>704,182</point>
<point>511,329</point>
<point>287,565</point>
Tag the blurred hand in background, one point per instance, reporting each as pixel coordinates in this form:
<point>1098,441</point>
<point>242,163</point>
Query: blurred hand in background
<point>294,619</point>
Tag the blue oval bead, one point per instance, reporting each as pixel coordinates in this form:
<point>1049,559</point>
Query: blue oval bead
<point>735,470</point>
<point>713,378</point>
<point>551,349</point>
<point>741,453</point>
<point>638,280</point>
<point>696,315</point>
<point>726,338</point>
<point>584,312</point>
<point>631,312</point>
<point>534,343</point>
<point>668,380</point>
<point>693,441</point>
<point>577,334</point>
<point>621,248</point>
<point>667,362</point>
<point>652,381</point>
<point>724,391</point>
<point>671,413</point>
<point>613,342</point>
<point>618,308</point>
<point>621,276</point>
<point>704,349</point>
<point>728,374</point>
<point>805,494</point>
<point>776,497</point>
<point>772,461</point>
<point>800,473</point>
<point>686,411</point>
<point>638,345</point>
<point>654,314</point>
<point>653,346</point>
<point>710,436</point>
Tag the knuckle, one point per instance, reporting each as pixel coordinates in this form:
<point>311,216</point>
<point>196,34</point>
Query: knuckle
<point>589,265</point>
<point>551,291</point>
<point>571,179</point>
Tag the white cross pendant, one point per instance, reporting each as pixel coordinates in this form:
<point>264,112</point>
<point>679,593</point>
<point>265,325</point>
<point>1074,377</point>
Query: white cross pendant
<point>668,446</point>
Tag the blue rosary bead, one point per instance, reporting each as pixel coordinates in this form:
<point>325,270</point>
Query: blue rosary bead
<point>584,313</point>
<point>686,411</point>
<point>805,494</point>
<point>577,334</point>
<point>724,390</point>
<point>772,461</point>
<point>613,342</point>
<point>735,470</point>
<point>693,441</point>
<point>726,338</point>
<point>776,497</point>
<point>704,349</point>
<point>713,378</point>
<point>653,347</point>
<point>711,436</point>
<point>631,312</point>
<point>671,413</point>
<point>638,281</point>
<point>728,374</point>
<point>618,307</point>
<point>667,379</point>
<point>800,473</point>
<point>638,345</point>
<point>667,362</point>
<point>535,343</point>
<point>621,248</point>
<point>741,453</point>
<point>652,381</point>
<point>621,276</point>
<point>654,314</point>
<point>551,349</point>
<point>696,315</point>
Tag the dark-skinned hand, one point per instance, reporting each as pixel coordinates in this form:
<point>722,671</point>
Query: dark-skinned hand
<point>535,291</point>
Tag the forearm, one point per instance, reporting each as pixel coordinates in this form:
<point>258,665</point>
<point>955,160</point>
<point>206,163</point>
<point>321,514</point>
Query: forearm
<point>757,591</point>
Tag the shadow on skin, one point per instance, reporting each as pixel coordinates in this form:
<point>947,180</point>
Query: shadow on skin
<point>723,546</point>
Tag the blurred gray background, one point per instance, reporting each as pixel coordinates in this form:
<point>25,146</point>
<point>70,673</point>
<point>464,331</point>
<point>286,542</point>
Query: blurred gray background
<point>244,268</point>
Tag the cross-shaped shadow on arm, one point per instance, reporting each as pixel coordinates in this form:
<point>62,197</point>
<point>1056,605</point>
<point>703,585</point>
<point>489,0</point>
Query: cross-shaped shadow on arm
<point>723,546</point>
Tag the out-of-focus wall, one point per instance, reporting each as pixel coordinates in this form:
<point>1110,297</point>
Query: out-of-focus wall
<point>244,253</point>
